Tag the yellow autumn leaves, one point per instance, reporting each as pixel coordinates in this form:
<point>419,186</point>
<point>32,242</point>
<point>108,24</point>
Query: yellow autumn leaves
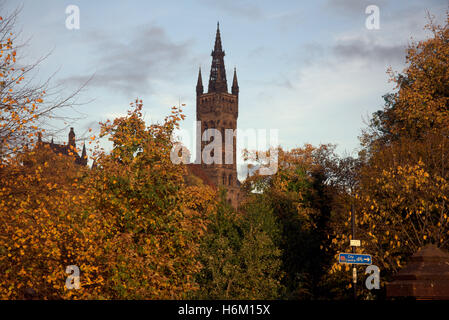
<point>403,185</point>
<point>131,224</point>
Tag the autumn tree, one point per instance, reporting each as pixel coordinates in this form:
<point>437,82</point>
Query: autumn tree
<point>130,224</point>
<point>299,194</point>
<point>155,221</point>
<point>401,197</point>
<point>27,107</point>
<point>45,227</point>
<point>419,104</point>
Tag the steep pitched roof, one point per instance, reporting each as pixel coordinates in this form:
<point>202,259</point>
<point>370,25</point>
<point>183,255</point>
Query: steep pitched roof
<point>65,150</point>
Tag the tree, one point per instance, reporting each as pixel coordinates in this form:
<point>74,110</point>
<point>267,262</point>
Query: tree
<point>154,225</point>
<point>300,194</point>
<point>419,105</point>
<point>130,224</point>
<point>239,254</point>
<point>401,195</point>
<point>26,108</point>
<point>45,227</point>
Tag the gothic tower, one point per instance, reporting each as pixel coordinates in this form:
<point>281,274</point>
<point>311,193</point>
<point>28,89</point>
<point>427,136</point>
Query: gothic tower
<point>218,109</point>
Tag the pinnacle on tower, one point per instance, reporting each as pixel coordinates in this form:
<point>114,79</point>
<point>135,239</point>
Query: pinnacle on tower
<point>199,84</point>
<point>235,85</point>
<point>83,154</point>
<point>83,160</point>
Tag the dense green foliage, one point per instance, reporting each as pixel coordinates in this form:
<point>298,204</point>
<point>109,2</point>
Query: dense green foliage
<point>240,256</point>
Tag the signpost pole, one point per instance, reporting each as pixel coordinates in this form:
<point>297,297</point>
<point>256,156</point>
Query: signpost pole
<point>354,270</point>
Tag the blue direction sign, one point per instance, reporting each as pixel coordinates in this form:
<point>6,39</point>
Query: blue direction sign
<point>354,258</point>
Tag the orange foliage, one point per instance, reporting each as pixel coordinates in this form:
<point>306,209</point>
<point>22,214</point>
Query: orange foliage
<point>131,224</point>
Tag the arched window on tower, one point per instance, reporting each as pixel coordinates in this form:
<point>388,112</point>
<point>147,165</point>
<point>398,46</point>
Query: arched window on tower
<point>224,179</point>
<point>230,179</point>
<point>205,129</point>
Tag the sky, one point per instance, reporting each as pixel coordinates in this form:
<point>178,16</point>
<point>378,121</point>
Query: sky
<point>311,69</point>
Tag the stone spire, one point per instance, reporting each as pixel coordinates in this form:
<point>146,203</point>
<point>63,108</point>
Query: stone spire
<point>217,80</point>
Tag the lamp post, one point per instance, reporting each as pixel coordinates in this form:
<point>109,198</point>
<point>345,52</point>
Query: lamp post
<point>354,269</point>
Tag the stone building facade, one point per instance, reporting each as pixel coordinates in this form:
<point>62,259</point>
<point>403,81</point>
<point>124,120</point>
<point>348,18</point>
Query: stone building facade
<point>66,149</point>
